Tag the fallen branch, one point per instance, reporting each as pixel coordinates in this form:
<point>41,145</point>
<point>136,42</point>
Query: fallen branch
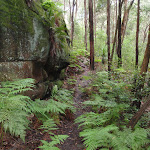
<point>138,115</point>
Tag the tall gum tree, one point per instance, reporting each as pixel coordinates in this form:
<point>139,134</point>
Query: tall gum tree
<point>119,36</point>
<point>137,35</point>
<point>91,34</point>
<point>108,36</point>
<point>85,24</point>
<point>72,22</point>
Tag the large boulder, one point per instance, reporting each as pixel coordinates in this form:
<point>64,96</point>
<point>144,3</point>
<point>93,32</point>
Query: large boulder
<point>27,47</point>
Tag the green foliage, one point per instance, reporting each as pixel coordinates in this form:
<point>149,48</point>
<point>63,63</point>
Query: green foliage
<point>60,101</point>
<point>15,107</point>
<point>49,110</point>
<point>87,77</point>
<point>56,139</point>
<point>54,20</point>
<point>48,126</point>
<point>51,11</point>
<point>78,52</point>
<point>71,81</point>
<point>104,128</point>
<point>110,137</point>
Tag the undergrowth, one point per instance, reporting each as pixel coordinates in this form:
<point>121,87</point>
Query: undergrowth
<point>105,126</point>
<point>15,109</point>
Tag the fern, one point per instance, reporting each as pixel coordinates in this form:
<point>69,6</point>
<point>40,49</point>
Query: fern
<point>50,106</point>
<point>104,128</point>
<point>128,139</point>
<point>14,107</point>
<point>111,137</point>
<point>56,139</point>
<point>90,120</point>
<point>98,137</point>
<point>48,126</point>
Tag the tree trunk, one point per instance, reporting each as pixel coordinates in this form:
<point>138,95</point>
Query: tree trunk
<point>119,37</point>
<point>123,27</point>
<point>72,22</point>
<point>91,34</point>
<point>85,22</point>
<point>113,25</point>
<point>70,10</point>
<point>145,33</point>
<point>76,3</point>
<point>108,36</point>
<point>144,68</point>
<point>138,115</point>
<point>95,20</point>
<point>114,42</point>
<point>137,35</point>
<point>125,20</point>
<point>145,63</point>
<point>116,31</point>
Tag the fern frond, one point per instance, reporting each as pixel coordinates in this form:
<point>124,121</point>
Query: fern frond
<point>14,107</point>
<point>98,137</point>
<point>56,139</point>
<point>99,101</point>
<point>128,139</point>
<point>50,106</point>
<point>91,120</point>
<point>48,126</point>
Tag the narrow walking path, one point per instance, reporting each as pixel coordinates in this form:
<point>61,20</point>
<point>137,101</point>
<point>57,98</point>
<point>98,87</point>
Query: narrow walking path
<point>74,142</point>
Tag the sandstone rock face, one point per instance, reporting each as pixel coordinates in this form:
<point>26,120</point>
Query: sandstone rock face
<point>26,49</point>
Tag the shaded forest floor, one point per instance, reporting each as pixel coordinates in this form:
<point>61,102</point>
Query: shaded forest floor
<point>75,81</point>
<point>66,125</point>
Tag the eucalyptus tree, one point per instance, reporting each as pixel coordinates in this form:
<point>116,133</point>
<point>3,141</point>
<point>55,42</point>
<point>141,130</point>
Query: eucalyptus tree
<point>108,34</point>
<point>91,34</point>
<point>85,23</point>
<point>137,35</point>
<point>119,36</point>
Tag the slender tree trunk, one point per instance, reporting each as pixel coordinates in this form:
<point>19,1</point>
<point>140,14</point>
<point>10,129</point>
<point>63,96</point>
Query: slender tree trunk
<point>123,27</point>
<point>85,22</point>
<point>70,10</point>
<point>116,32</point>
<point>145,33</point>
<point>114,42</point>
<point>137,35</point>
<point>146,56</point>
<point>91,34</point>
<point>138,115</point>
<point>119,37</point>
<point>125,19</point>
<point>95,20</point>
<point>76,7</point>
<point>72,22</point>
<point>144,69</point>
<point>108,36</point>
<point>113,25</point>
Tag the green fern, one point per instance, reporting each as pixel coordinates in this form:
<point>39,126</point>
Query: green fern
<point>90,120</point>
<point>48,126</point>
<point>98,137</point>
<point>14,107</point>
<point>56,139</point>
<point>104,128</point>
<point>111,137</point>
<point>128,139</point>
